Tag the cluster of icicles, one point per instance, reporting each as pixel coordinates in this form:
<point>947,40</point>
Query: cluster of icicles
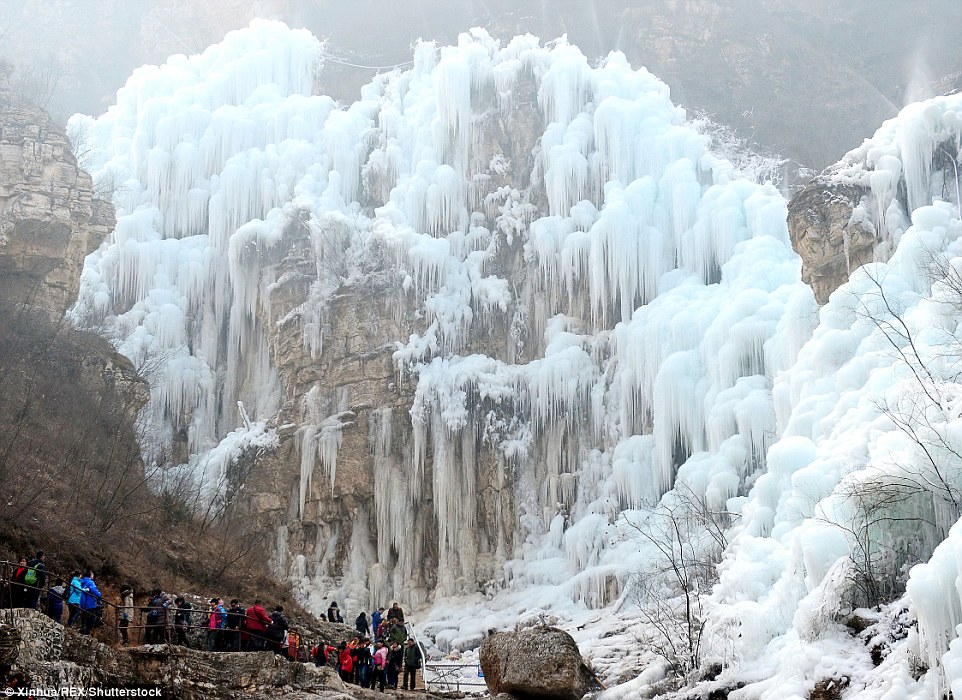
<point>660,332</point>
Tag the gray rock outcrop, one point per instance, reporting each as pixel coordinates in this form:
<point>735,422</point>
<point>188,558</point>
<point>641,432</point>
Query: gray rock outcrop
<point>541,663</point>
<point>824,234</point>
<point>49,218</point>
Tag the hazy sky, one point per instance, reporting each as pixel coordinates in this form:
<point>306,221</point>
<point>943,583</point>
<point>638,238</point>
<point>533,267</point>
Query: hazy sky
<point>804,77</point>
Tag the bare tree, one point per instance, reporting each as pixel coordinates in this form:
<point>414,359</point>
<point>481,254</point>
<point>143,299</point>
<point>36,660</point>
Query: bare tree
<point>688,538</point>
<point>888,526</point>
<point>37,84</point>
<point>900,509</point>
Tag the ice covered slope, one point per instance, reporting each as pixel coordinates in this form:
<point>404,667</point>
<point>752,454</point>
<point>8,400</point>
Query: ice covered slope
<point>867,461</point>
<point>586,306</point>
<point>640,289</point>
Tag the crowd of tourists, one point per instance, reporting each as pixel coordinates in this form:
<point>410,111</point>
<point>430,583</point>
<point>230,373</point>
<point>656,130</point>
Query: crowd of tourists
<point>377,655</point>
<point>374,658</point>
<point>81,600</point>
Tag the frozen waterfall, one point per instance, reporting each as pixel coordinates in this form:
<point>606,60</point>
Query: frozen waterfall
<point>602,313</point>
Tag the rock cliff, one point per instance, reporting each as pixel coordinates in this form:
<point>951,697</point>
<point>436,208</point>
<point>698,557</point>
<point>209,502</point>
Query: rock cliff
<point>69,400</point>
<point>361,498</point>
<point>856,211</point>
<point>49,219</point>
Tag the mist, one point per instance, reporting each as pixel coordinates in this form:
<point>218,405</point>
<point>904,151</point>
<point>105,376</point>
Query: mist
<point>805,79</point>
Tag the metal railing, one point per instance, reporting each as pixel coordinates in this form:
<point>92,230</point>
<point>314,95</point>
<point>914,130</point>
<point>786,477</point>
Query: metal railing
<point>108,616</point>
<point>447,676</point>
<point>436,675</point>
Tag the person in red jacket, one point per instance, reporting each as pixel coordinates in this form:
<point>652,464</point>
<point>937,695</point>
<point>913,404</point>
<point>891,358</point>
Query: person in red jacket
<point>345,663</point>
<point>256,622</point>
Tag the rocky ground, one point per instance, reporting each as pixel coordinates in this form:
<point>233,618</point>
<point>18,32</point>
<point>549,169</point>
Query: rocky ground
<point>36,652</point>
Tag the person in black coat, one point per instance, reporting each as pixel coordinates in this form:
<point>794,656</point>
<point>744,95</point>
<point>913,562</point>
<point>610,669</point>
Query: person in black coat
<point>235,619</point>
<point>395,661</point>
<point>277,631</point>
<point>396,613</point>
<point>182,620</point>
<point>333,614</point>
<point>363,663</point>
<point>412,662</point>
<point>360,624</point>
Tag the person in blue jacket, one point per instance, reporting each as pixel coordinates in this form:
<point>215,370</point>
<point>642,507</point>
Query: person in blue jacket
<point>90,602</point>
<point>75,594</point>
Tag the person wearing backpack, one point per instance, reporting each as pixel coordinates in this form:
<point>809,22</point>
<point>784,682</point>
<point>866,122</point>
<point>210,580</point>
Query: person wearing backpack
<point>35,579</point>
<point>156,629</point>
<point>256,625</point>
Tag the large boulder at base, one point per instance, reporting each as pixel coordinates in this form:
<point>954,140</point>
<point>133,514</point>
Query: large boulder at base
<point>541,663</point>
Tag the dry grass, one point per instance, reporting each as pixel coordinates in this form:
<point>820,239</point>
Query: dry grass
<point>72,482</point>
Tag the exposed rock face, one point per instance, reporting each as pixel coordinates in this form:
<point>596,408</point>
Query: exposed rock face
<point>823,232</point>
<point>49,222</point>
<point>542,662</point>
<point>69,399</point>
<point>353,375</point>
<point>49,219</point>
<point>9,646</point>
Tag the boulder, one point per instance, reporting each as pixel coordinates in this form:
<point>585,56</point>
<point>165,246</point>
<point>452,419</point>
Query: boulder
<point>541,663</point>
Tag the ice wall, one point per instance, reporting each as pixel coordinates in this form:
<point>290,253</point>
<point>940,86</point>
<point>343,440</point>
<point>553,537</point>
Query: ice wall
<point>866,464</point>
<point>644,297</point>
<point>600,313</point>
<point>199,153</point>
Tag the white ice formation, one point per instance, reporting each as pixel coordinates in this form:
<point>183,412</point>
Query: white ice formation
<point>654,330</point>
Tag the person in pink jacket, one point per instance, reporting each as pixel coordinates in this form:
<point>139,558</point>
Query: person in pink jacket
<point>380,666</point>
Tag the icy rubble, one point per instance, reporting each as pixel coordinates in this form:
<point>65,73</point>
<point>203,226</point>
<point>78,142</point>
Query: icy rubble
<point>664,337</point>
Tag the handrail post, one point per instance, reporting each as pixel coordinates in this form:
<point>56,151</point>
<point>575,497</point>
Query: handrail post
<point>7,592</point>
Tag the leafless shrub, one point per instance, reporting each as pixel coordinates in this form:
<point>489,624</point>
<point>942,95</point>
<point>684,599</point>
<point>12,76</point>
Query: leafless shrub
<point>688,538</point>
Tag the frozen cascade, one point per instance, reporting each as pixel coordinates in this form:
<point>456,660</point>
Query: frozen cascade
<point>627,184</point>
<point>586,324</point>
<point>187,146</point>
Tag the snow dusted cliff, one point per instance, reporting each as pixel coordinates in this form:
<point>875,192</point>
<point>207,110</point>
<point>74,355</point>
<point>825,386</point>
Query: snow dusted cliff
<point>487,317</point>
